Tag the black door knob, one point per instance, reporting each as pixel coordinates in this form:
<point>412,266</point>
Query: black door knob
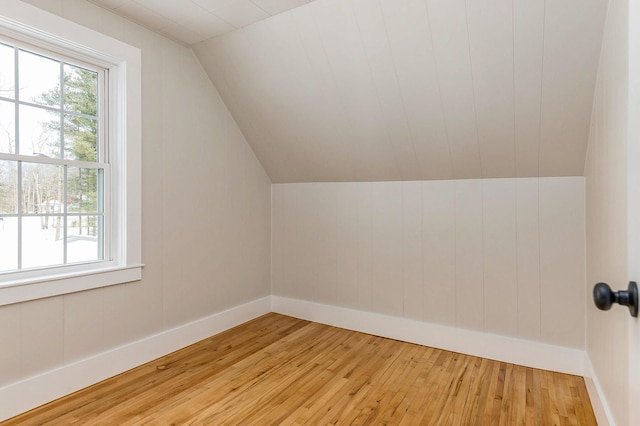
<point>604,297</point>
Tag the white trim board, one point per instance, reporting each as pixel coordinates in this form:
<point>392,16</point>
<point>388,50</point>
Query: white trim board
<point>477,343</point>
<point>32,392</point>
<point>601,407</point>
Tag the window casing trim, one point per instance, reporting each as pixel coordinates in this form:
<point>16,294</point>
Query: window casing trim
<point>35,26</point>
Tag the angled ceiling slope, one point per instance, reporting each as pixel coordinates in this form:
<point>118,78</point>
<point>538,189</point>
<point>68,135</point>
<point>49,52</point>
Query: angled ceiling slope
<point>369,90</point>
<point>191,21</point>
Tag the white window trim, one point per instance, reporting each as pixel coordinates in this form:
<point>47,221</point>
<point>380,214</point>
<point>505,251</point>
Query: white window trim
<point>37,26</point>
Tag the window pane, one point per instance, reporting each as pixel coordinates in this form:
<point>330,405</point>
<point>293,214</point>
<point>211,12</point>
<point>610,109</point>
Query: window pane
<point>80,138</point>
<point>42,188</point>
<point>8,187</point>
<point>39,132</point>
<point>7,127</point>
<point>8,243</point>
<point>82,192</point>
<point>42,241</point>
<point>84,233</point>
<point>7,71</point>
<point>39,79</point>
<point>49,214</point>
<point>80,90</point>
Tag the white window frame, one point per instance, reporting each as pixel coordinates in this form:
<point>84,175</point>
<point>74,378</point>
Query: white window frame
<point>33,25</point>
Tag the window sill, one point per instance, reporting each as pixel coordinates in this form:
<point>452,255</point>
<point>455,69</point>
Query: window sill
<point>53,285</point>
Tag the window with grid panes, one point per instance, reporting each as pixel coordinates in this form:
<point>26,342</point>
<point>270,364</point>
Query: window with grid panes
<point>53,164</point>
<point>70,157</point>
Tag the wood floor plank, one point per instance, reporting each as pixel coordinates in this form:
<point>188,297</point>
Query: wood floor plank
<point>278,370</point>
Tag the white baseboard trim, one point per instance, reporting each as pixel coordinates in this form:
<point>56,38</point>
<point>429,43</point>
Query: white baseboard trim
<point>599,403</point>
<point>477,343</point>
<point>30,393</point>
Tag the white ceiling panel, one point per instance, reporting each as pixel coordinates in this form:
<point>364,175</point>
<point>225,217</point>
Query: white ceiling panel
<point>572,39</point>
<point>491,53</point>
<point>273,7</point>
<point>181,32</point>
<point>389,147</point>
<point>112,4</point>
<point>409,34</point>
<point>352,90</point>
<point>448,22</point>
<point>374,90</point>
<point>138,12</point>
<point>241,13</point>
<point>528,27</point>
<point>213,5</point>
<point>356,94</point>
<point>317,124</point>
<point>192,21</point>
<point>332,127</point>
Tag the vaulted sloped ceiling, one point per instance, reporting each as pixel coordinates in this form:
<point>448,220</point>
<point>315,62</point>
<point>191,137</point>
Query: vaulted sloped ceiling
<point>368,90</point>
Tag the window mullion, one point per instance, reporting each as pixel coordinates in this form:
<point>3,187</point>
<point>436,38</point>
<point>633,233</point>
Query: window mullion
<point>65,240</point>
<point>16,149</point>
<point>105,247</point>
<point>61,109</point>
<point>16,92</point>
<point>19,242</point>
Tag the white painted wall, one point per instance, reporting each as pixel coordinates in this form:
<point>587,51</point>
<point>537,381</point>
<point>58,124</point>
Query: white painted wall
<point>205,227</point>
<point>606,211</point>
<point>504,256</point>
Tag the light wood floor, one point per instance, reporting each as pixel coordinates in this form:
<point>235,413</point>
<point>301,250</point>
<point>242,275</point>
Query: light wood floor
<point>281,370</point>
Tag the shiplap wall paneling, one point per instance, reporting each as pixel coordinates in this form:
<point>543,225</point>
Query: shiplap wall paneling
<point>469,255</point>
<point>439,251</point>
<point>11,354</point>
<point>500,256</point>
<point>42,330</point>
<point>387,259</point>
<point>278,230</point>
<point>412,256</point>
<point>346,293</point>
<point>528,252</point>
<point>364,197</point>
<point>562,261</point>
<point>84,332</point>
<point>486,255</point>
